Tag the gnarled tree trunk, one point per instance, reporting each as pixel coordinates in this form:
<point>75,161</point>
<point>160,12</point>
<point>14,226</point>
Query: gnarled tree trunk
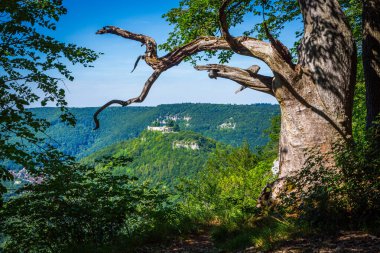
<point>317,110</point>
<point>315,96</point>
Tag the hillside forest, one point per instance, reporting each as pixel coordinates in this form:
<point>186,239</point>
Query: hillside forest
<point>299,175</point>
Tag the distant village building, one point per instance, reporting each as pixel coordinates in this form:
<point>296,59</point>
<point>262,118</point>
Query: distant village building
<point>24,176</point>
<point>174,118</point>
<point>193,145</point>
<point>187,118</point>
<point>227,125</point>
<point>163,129</point>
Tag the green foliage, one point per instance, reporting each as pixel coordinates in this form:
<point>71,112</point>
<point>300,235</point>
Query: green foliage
<point>102,207</point>
<point>353,10</point>
<point>220,184</point>
<point>359,107</point>
<point>195,18</point>
<point>160,157</point>
<point>345,197</point>
<point>226,191</point>
<point>32,71</point>
<point>359,113</point>
<point>170,123</point>
<point>80,209</point>
<point>270,150</point>
<point>224,195</point>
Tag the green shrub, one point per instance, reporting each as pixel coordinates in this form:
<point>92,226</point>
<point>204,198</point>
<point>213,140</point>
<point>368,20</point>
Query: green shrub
<point>83,209</point>
<point>226,191</point>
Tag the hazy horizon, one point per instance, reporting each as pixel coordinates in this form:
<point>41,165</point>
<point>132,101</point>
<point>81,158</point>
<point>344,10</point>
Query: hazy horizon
<point>142,105</point>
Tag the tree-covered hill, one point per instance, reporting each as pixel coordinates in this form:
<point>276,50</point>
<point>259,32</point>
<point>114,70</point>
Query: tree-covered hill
<point>230,124</point>
<point>160,157</point>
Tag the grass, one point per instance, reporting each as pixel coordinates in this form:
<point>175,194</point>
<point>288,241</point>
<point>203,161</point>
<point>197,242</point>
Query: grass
<point>264,233</point>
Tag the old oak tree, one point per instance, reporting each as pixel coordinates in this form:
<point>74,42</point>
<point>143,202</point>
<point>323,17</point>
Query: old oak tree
<point>315,94</point>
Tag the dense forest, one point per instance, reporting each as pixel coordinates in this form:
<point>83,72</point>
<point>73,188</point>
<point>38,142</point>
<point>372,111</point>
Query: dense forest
<point>161,158</point>
<point>121,124</point>
<point>303,174</point>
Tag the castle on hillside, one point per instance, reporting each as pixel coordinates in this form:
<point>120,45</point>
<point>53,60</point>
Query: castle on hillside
<point>167,124</point>
<point>163,129</point>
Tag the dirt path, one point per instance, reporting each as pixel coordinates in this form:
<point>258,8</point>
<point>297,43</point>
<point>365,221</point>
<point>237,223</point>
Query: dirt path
<point>350,242</point>
<point>343,242</point>
<point>197,243</point>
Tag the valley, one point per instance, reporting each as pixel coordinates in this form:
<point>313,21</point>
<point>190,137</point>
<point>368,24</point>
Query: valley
<point>229,124</point>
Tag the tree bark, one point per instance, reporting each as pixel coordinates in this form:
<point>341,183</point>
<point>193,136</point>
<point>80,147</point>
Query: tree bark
<point>371,58</point>
<point>317,110</point>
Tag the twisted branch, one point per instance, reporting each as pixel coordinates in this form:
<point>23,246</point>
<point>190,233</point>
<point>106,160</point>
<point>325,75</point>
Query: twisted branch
<point>280,60</point>
<point>241,45</point>
<point>139,99</point>
<point>150,43</point>
<point>262,50</point>
<point>279,47</point>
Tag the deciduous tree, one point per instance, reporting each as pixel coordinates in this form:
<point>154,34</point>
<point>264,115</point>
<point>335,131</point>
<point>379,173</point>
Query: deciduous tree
<point>32,71</point>
<point>315,93</point>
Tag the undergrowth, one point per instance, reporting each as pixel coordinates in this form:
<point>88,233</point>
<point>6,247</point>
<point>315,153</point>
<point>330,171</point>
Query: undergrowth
<point>320,201</point>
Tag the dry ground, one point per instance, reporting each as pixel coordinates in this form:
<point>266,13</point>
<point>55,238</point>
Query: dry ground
<point>349,242</point>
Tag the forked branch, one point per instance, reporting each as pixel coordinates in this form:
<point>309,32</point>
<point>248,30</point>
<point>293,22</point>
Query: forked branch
<point>267,52</point>
<point>281,58</point>
<point>234,43</point>
<point>150,43</point>
<point>248,78</point>
<point>259,49</point>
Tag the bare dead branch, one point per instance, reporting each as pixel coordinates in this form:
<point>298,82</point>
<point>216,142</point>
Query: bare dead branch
<point>150,43</point>
<point>240,89</point>
<point>248,46</point>
<point>196,46</point>
<point>245,77</point>
<point>139,99</point>
<point>137,62</point>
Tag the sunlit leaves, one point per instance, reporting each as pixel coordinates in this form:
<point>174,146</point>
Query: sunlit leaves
<point>229,186</point>
<point>195,18</point>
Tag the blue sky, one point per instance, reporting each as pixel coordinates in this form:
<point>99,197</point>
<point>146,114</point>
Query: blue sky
<point>111,78</point>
